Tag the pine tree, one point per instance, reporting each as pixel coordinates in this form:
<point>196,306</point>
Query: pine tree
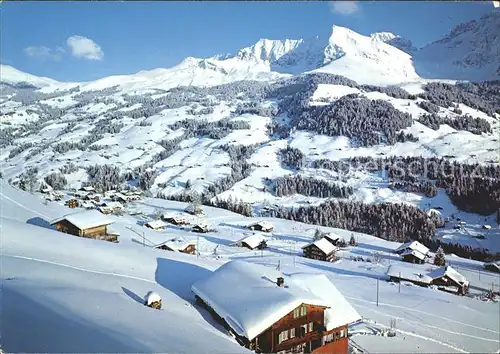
<point>318,235</point>
<point>439,258</point>
<point>262,245</point>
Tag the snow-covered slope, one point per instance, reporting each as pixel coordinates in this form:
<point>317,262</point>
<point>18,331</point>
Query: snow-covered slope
<point>12,76</point>
<point>471,51</point>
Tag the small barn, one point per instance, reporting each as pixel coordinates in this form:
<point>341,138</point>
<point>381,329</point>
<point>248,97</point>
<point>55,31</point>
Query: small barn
<point>178,245</point>
<point>251,242</point>
<point>156,224</point>
<point>492,266</point>
<point>174,219</point>
<point>321,249</point>
<point>399,273</point>
<point>447,278</point>
<point>89,223</point>
<point>201,228</point>
<point>413,256</point>
<point>414,246</point>
<point>262,226</point>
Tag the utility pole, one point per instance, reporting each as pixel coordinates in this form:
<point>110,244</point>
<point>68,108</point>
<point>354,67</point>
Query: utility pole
<point>377,291</point>
<point>399,286</point>
<point>197,247</point>
<point>143,240</point>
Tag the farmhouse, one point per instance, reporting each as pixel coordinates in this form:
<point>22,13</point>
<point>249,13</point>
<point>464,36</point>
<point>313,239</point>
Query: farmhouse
<point>492,266</point>
<point>447,278</point>
<point>413,256</point>
<point>155,224</point>
<point>201,228</point>
<point>269,312</point>
<point>262,226</point>
<point>89,223</point>
<point>251,242</point>
<point>414,246</point>
<point>174,219</point>
<point>87,189</point>
<point>414,275</point>
<point>110,207</point>
<point>178,245</point>
<point>322,250</point>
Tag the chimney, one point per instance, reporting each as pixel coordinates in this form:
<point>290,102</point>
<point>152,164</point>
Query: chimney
<point>280,282</point>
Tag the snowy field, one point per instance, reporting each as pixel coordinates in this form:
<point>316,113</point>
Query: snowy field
<point>69,294</point>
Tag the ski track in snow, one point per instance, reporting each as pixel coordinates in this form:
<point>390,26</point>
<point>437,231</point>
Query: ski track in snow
<point>427,314</point>
<point>419,323</point>
<point>81,269</point>
<point>419,336</point>
<point>3,196</point>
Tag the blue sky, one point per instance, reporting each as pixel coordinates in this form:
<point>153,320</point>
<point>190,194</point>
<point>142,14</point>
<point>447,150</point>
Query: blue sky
<point>79,41</point>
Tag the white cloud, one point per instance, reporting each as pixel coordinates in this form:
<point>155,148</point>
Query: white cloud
<point>85,48</point>
<point>44,52</point>
<point>345,7</point>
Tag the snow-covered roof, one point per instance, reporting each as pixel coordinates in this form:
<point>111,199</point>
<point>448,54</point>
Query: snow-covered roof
<point>112,205</point>
<point>156,224</point>
<point>324,245</point>
<point>151,297</point>
<point>253,240</point>
<point>264,224</point>
<point>177,244</point>
<point>86,219</point>
<point>414,245</point>
<point>408,273</point>
<point>415,253</point>
<point>450,273</point>
<point>247,297</point>
<point>88,188</point>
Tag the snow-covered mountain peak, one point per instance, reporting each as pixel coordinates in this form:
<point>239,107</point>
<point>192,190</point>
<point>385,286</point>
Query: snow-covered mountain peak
<point>383,36</point>
<point>268,50</point>
<point>12,76</point>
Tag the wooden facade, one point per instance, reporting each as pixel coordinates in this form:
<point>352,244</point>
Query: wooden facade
<point>300,331</point>
<point>445,283</point>
<point>98,232</point>
<point>261,227</point>
<point>312,251</point>
<point>190,249</point>
<point>411,258</point>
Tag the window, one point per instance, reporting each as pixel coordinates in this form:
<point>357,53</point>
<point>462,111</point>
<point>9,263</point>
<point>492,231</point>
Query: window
<point>328,338</point>
<point>310,326</point>
<point>303,310</point>
<point>296,312</point>
<point>342,333</point>
<point>304,328</point>
<point>292,333</point>
<point>283,336</point>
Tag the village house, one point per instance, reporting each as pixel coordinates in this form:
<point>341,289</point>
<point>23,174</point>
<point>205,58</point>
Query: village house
<point>445,278</point>
<point>262,226</point>
<point>72,203</point>
<point>322,249</point>
<point>493,266</point>
<point>269,312</point>
<point>87,189</point>
<point>201,228</point>
<point>413,252</point>
<point>174,219</point>
<point>155,224</point>
<point>110,207</point>
<point>251,242</point>
<point>178,245</point>
<point>89,223</point>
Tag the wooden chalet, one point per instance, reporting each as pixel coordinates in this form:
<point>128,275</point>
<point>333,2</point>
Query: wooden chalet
<point>72,203</point>
<point>448,279</point>
<point>413,252</point>
<point>413,256</point>
<point>251,242</point>
<point>87,189</point>
<point>178,245</point>
<point>201,228</point>
<point>89,224</point>
<point>174,219</point>
<point>492,266</point>
<point>110,207</point>
<point>262,226</point>
<point>155,224</point>
<point>322,249</point>
<point>269,312</point>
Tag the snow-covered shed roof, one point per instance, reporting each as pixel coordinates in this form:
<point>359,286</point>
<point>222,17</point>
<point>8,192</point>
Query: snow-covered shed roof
<point>247,297</point>
<point>414,245</point>
<point>177,244</point>
<point>408,273</point>
<point>450,273</point>
<point>156,224</point>
<point>415,253</point>
<point>253,240</point>
<point>86,219</point>
<point>324,245</point>
<point>88,189</point>
<point>151,297</point>
<point>113,205</point>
